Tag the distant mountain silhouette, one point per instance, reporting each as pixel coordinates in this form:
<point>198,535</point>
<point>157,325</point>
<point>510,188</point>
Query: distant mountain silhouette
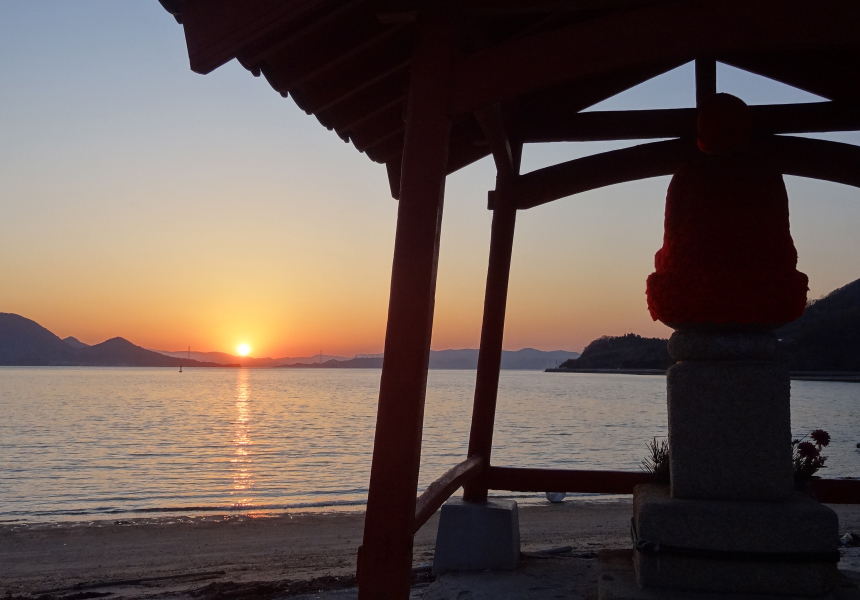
<point>827,336</point>
<point>351,363</point>
<point>247,361</point>
<point>526,359</point>
<point>24,342</point>
<point>75,342</point>
<point>629,351</point>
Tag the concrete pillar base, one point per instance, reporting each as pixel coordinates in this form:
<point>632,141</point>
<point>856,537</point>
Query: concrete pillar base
<point>618,582</point>
<point>779,548</point>
<point>477,536</point>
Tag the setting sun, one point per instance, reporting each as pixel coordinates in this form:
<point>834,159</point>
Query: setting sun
<point>243,349</point>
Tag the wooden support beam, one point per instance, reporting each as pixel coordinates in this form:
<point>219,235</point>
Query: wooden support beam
<point>392,168</point>
<point>385,558</point>
<point>600,170</point>
<point>829,73</point>
<point>564,480</point>
<point>492,336</point>
<point>681,122</point>
<point>440,490</point>
<point>816,159</point>
<point>803,157</point>
<point>829,491</point>
<point>706,79</point>
<point>675,31</point>
<point>506,154</point>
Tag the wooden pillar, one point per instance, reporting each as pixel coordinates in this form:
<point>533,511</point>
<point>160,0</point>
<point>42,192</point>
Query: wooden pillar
<point>706,78</point>
<point>385,558</point>
<point>492,335</point>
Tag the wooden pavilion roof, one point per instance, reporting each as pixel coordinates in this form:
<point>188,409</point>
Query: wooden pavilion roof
<point>539,62</point>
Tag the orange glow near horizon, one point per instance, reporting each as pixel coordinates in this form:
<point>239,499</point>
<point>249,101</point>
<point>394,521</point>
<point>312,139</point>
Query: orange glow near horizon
<point>122,199</point>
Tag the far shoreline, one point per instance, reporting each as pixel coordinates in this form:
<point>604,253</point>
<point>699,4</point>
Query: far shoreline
<point>839,376</point>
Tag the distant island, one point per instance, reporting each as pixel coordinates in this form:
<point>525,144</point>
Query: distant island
<point>629,351</point>
<point>827,336</point>
<point>825,339</point>
<point>23,342</point>
<point>466,359</point>
<point>26,343</point>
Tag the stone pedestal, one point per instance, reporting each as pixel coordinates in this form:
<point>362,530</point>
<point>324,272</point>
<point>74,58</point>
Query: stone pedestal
<point>732,521</point>
<point>729,416</point>
<point>477,536</point>
<point>730,430</point>
<point>779,548</point>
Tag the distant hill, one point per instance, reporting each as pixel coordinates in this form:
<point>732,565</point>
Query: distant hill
<point>246,361</point>
<point>75,342</point>
<point>629,351</point>
<point>526,359</point>
<point>373,362</point>
<point>827,336</point>
<point>24,342</point>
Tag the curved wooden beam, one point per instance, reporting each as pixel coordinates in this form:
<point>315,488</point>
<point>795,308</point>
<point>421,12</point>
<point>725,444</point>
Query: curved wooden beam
<point>592,172</point>
<point>803,157</point>
<point>815,159</point>
<point>664,32</point>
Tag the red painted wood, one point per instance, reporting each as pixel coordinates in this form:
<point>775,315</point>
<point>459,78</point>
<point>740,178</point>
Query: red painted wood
<point>217,30</point>
<point>562,480</point>
<point>803,157</point>
<point>385,559</point>
<point>706,79</point>
<point>592,172</point>
<point>836,491</point>
<point>829,73</point>
<point>681,122</point>
<point>440,490</point>
<point>816,159</point>
<point>664,32</point>
<point>507,155</point>
<point>492,336</point>
<point>828,491</point>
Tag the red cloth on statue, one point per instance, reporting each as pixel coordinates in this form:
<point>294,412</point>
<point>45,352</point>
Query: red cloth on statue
<point>727,254</point>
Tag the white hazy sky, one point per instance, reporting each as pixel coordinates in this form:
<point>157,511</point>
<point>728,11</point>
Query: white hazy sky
<point>140,199</point>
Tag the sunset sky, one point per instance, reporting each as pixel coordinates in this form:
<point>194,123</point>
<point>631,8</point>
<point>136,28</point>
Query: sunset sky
<point>141,200</point>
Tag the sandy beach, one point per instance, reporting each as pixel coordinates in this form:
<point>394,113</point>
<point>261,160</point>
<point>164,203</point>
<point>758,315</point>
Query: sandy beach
<point>205,557</point>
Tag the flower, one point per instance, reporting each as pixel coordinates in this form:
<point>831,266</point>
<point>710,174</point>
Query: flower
<point>821,437</point>
<point>807,450</point>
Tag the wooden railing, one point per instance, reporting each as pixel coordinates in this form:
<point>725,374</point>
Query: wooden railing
<point>440,490</point>
<point>828,491</point>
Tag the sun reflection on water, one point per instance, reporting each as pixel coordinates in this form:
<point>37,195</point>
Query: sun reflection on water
<point>243,479</point>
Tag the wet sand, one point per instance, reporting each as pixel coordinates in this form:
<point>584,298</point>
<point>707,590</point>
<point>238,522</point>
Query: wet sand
<point>159,557</point>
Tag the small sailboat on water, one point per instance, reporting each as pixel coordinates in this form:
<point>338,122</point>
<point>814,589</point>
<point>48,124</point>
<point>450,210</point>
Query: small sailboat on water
<point>189,358</point>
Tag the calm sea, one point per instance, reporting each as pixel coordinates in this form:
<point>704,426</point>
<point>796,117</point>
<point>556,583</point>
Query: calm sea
<point>89,443</point>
